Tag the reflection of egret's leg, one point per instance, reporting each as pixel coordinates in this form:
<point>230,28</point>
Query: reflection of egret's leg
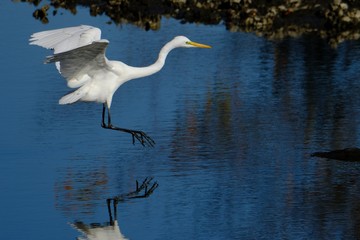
<point>136,193</point>
<point>142,137</point>
<point>108,201</point>
<point>144,185</point>
<point>115,209</point>
<point>151,190</point>
<point>115,202</point>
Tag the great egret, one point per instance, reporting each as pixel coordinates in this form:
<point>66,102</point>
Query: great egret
<point>79,55</point>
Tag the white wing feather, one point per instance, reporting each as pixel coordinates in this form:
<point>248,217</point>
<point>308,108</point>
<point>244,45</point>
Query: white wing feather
<point>65,39</point>
<point>78,52</point>
<point>82,62</point>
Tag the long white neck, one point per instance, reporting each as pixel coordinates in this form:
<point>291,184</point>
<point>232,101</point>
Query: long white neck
<point>139,72</point>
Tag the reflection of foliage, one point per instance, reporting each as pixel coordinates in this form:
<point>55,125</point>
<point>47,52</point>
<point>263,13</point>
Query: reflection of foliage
<point>144,13</point>
<point>41,14</point>
<point>79,190</point>
<point>274,19</point>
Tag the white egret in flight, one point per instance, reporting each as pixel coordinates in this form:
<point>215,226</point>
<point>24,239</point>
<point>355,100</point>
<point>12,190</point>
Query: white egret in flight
<point>79,55</point>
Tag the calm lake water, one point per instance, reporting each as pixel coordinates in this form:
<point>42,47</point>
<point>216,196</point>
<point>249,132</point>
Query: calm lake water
<point>234,127</point>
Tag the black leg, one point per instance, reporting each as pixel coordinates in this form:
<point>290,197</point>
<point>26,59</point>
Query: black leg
<point>130,195</point>
<point>103,117</point>
<point>115,203</point>
<point>115,209</point>
<point>142,137</point>
<point>108,201</point>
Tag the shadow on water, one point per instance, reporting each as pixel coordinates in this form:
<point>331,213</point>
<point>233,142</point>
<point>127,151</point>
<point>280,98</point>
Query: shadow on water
<point>110,230</point>
<point>347,154</point>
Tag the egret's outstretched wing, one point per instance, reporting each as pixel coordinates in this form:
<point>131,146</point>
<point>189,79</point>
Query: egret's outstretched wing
<point>65,39</point>
<point>78,64</point>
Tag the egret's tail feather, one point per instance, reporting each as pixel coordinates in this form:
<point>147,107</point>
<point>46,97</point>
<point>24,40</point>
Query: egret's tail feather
<point>72,97</point>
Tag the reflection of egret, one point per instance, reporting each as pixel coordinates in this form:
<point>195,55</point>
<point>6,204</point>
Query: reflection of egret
<point>79,54</point>
<point>98,231</point>
<point>111,229</point>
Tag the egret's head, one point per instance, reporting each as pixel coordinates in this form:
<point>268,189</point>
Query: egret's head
<point>182,41</point>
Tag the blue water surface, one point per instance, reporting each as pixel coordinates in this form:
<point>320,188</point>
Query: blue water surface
<point>234,127</point>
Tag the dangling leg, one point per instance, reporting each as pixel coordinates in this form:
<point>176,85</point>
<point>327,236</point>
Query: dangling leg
<point>103,117</point>
<point>142,137</point>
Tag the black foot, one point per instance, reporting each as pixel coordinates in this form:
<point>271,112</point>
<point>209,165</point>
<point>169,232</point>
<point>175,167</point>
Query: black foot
<point>137,193</point>
<point>142,137</point>
<point>144,185</point>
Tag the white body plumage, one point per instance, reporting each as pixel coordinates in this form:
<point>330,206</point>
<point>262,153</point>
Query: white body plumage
<point>80,58</point>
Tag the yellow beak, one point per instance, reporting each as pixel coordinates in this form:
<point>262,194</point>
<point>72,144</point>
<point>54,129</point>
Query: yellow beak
<point>199,45</point>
